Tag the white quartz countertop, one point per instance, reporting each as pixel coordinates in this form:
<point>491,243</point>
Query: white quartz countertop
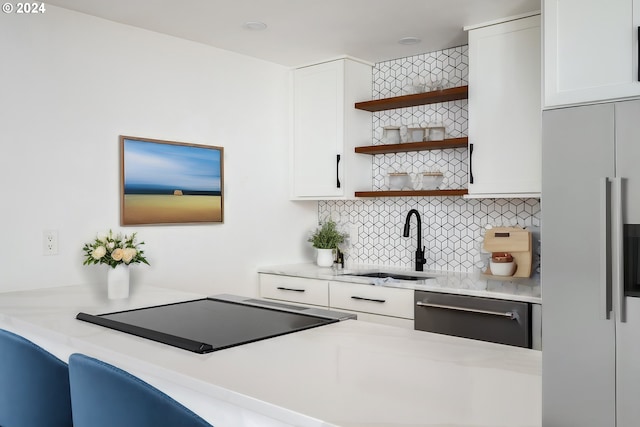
<point>474,284</point>
<point>350,374</point>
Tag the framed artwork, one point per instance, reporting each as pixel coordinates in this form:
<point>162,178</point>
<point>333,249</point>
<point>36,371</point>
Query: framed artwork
<point>166,182</point>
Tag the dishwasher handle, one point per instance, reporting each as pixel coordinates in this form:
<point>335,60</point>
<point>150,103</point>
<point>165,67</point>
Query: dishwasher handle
<point>509,314</point>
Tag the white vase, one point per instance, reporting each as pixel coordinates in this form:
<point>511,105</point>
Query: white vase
<point>118,282</point>
<point>324,257</point>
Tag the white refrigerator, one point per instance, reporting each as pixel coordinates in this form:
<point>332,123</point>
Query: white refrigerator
<point>590,266</point>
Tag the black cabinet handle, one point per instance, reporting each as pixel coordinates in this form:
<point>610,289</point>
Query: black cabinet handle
<point>470,164</point>
<point>337,170</point>
<point>290,289</point>
<point>639,54</point>
<point>368,299</point>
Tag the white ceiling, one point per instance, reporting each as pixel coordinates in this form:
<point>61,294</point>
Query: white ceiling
<point>306,31</point>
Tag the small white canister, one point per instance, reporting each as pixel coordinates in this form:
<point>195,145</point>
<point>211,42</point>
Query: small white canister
<point>432,180</point>
<point>436,132</point>
<point>391,134</point>
<point>398,180</point>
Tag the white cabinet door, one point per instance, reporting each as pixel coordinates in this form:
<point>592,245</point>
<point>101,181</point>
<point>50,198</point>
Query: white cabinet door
<point>327,127</point>
<point>399,322</point>
<point>294,289</point>
<point>378,300</point>
<point>504,109</point>
<point>590,50</point>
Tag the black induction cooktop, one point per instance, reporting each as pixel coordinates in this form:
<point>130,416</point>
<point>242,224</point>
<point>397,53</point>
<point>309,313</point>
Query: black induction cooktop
<point>215,323</point>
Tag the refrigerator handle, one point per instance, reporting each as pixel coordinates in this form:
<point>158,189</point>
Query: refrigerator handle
<point>618,240</point>
<point>605,270</point>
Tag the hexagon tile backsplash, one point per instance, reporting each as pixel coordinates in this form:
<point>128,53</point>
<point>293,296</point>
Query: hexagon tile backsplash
<point>452,227</point>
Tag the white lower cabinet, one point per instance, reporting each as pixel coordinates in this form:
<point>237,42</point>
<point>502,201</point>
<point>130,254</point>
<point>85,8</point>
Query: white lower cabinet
<point>371,299</point>
<point>294,289</point>
<point>392,306</point>
<point>384,320</point>
<point>389,306</point>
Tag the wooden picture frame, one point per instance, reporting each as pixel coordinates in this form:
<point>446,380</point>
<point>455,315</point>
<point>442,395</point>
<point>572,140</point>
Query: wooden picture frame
<point>167,182</point>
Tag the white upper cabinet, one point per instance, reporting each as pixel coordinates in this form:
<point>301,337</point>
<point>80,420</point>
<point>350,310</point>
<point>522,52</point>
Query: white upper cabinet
<point>327,128</point>
<point>505,108</point>
<point>590,51</point>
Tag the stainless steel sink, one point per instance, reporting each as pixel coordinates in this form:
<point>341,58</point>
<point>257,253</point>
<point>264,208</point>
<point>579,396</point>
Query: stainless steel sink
<point>384,275</point>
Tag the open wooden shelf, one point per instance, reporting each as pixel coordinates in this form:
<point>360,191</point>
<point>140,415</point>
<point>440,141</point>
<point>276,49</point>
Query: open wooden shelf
<point>445,95</point>
<point>403,101</point>
<point>410,193</point>
<point>413,146</point>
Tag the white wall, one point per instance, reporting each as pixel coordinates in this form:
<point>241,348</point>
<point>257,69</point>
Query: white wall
<point>71,84</point>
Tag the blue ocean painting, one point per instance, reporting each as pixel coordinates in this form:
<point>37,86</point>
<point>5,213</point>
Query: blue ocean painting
<point>159,168</point>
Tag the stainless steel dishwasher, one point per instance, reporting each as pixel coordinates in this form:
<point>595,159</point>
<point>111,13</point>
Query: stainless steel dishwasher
<point>485,319</point>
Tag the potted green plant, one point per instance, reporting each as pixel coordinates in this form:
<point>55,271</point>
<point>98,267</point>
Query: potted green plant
<point>326,239</point>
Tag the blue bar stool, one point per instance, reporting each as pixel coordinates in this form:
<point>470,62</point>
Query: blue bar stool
<point>34,385</point>
<point>103,395</point>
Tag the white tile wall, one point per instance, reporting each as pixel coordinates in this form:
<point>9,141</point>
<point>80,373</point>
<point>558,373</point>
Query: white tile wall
<point>452,227</point>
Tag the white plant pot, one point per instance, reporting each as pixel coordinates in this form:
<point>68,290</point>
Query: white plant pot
<point>118,282</point>
<point>324,257</point>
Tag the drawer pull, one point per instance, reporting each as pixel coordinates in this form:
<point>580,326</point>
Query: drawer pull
<point>368,299</point>
<point>290,289</point>
<point>508,314</point>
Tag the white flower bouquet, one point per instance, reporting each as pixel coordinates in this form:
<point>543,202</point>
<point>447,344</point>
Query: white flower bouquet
<point>114,249</point>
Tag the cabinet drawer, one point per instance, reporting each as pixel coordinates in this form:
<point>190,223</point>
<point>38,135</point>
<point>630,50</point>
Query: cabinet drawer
<point>372,299</point>
<point>294,289</point>
<point>383,320</point>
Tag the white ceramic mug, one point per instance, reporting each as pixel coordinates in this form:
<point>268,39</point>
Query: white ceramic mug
<point>391,134</point>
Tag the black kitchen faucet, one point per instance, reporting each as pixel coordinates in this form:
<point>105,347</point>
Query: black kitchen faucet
<point>420,259</point>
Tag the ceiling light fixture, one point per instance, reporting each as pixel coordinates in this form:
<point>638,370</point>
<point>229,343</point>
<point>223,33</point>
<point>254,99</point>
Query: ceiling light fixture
<point>254,26</point>
<point>409,40</point>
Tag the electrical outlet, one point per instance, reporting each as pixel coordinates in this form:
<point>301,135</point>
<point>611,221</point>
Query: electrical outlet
<point>353,234</point>
<point>50,242</point>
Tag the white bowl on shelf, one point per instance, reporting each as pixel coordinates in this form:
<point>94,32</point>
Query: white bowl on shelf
<point>398,180</point>
<point>432,180</point>
<point>502,268</point>
<point>391,134</point>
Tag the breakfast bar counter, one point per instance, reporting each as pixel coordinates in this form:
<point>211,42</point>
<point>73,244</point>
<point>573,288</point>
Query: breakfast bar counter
<point>350,374</point>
